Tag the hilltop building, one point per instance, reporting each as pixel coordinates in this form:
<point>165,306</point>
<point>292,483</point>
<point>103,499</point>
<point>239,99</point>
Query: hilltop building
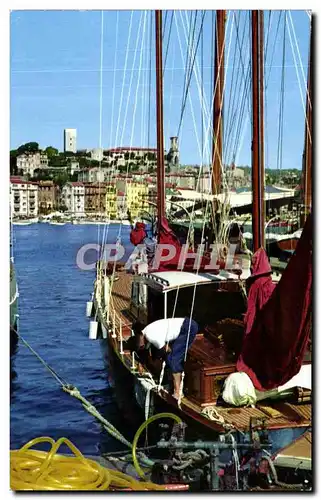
<point>70,140</point>
<point>27,163</point>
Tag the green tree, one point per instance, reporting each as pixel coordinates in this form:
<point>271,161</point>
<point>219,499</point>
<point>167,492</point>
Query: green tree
<point>51,151</point>
<point>61,179</point>
<point>29,147</point>
<point>41,175</point>
<point>13,162</point>
<point>62,207</point>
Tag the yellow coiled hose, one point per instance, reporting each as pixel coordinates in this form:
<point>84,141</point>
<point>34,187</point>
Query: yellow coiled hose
<point>39,470</point>
<point>140,430</point>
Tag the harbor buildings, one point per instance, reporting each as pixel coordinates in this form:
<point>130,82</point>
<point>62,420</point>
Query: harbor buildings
<point>23,198</point>
<point>73,198</point>
<point>136,195</point>
<point>47,196</point>
<point>111,200</point>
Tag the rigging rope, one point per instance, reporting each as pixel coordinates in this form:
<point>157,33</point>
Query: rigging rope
<point>190,75</point>
<point>209,119</point>
<point>273,50</point>
<point>304,77</point>
<point>114,82</point>
<point>203,228</point>
<point>241,103</point>
<point>100,114</point>
<point>187,58</point>
<point>106,227</point>
<point>169,37</point>
<point>142,39</point>
<point>59,379</point>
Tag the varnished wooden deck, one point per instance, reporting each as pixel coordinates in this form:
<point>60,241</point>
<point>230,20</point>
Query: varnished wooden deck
<point>120,297</point>
<point>277,415</point>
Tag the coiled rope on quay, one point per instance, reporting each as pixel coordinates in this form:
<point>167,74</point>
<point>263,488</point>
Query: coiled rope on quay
<point>38,470</point>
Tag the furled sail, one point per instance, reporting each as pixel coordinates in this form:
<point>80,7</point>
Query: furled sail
<point>278,331</point>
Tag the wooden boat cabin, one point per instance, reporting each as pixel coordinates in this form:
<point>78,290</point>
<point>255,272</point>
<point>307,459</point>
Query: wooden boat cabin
<point>218,302</point>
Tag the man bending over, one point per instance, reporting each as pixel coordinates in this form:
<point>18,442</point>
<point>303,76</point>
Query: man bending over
<point>171,338</point>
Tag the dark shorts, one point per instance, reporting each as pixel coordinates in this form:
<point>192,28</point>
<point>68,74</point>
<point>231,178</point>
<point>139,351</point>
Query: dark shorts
<point>175,359</point>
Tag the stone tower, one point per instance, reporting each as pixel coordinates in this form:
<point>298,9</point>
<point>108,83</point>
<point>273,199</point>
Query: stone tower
<point>173,154</point>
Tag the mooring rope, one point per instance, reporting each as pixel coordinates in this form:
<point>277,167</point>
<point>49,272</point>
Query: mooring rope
<point>73,391</point>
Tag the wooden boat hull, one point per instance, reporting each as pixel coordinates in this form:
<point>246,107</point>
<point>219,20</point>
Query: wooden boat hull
<point>283,420</point>
<point>135,414</point>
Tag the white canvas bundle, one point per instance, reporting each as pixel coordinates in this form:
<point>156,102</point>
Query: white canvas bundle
<point>238,390</point>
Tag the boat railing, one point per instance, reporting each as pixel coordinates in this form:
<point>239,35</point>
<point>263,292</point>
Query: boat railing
<point>151,277</point>
<point>115,322</point>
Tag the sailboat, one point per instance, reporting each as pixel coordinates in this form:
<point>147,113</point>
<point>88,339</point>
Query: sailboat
<point>217,300</point>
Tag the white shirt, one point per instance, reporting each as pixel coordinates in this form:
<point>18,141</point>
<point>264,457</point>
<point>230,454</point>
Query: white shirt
<point>162,331</point>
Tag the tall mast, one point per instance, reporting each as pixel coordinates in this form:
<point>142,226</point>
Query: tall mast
<point>257,133</point>
<point>307,155</point>
<point>217,148</point>
<point>262,165</point>
<point>159,117</point>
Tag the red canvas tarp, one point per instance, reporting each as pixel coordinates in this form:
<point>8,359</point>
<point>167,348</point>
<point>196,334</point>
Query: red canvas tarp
<point>260,287</point>
<point>278,329</point>
<point>167,237</point>
<point>138,234</point>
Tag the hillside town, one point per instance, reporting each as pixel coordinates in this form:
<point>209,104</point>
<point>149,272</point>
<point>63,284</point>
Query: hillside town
<point>110,182</point>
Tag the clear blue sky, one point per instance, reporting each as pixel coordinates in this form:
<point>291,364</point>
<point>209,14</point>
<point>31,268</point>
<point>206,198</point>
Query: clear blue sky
<point>55,81</point>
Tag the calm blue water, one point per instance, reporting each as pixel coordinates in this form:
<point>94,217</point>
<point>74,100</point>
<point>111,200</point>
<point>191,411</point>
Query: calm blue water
<point>53,295</point>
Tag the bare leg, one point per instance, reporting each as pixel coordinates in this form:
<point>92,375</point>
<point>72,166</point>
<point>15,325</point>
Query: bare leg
<point>177,378</point>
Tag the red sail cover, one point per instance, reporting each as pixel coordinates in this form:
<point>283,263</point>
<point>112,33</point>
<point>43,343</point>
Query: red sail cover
<point>260,287</point>
<point>168,237</point>
<point>138,234</point>
<point>277,334</point>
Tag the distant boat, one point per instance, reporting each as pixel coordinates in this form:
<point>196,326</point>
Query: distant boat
<point>289,242</point>
<point>55,223</point>
<point>94,222</point>
<point>25,222</point>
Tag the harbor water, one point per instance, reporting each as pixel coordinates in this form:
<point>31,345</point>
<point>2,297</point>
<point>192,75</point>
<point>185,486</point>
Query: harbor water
<point>52,306</point>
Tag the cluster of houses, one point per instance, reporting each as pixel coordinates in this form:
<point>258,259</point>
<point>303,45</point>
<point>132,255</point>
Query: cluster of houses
<point>124,180</point>
<point>31,198</point>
